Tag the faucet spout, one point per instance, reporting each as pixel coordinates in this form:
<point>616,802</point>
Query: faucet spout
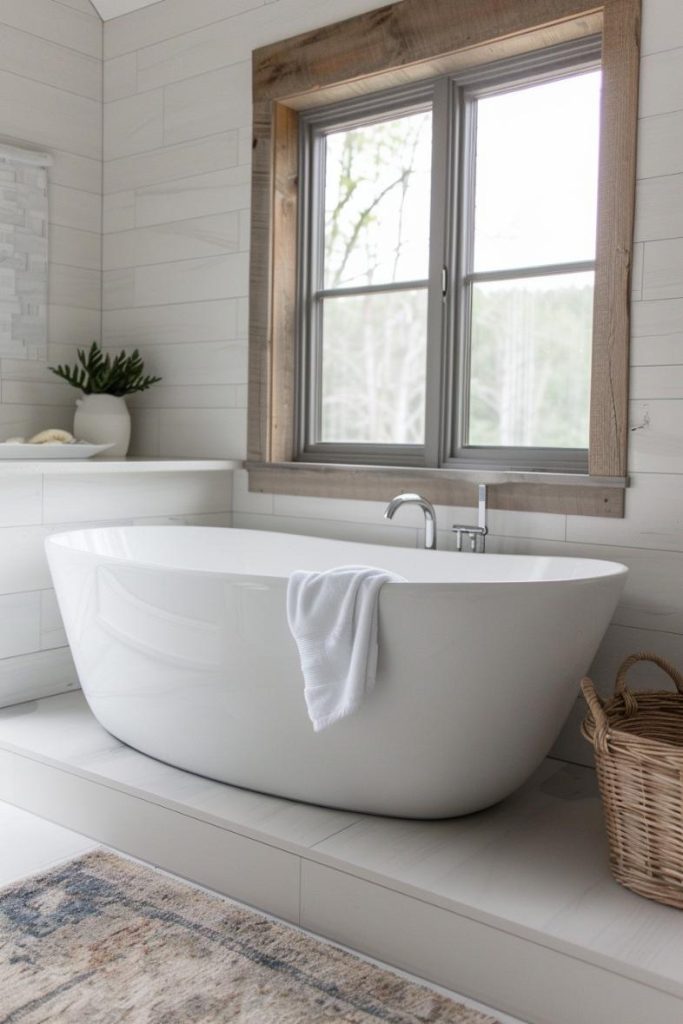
<point>427,508</point>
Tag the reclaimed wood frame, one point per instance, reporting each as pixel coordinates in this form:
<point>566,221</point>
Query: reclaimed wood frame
<point>408,41</point>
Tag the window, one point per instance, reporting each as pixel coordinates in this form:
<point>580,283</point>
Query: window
<point>529,268</point>
<point>503,166</point>
<point>366,271</point>
<point>413,323</point>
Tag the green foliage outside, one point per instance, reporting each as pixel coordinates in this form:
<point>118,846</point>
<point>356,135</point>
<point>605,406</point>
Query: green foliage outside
<point>531,363</point>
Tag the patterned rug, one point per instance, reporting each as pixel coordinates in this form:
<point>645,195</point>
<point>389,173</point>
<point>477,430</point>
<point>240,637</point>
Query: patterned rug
<point>102,940</point>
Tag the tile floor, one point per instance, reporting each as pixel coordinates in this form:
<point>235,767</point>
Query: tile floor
<point>29,845</point>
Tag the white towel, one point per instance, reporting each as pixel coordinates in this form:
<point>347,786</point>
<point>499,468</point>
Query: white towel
<point>333,618</point>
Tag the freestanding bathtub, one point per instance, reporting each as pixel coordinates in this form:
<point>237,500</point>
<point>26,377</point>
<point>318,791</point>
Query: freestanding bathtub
<point>182,647</point>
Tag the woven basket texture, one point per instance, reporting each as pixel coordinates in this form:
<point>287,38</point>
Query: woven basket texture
<point>638,741</point>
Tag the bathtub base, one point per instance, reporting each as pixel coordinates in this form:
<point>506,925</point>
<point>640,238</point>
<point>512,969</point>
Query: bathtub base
<point>513,907</point>
<point>425,806</point>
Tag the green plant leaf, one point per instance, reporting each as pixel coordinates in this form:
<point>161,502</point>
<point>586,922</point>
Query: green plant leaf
<point>104,374</point>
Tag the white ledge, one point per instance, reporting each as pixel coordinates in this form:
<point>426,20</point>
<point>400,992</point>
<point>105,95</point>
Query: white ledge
<point>100,466</point>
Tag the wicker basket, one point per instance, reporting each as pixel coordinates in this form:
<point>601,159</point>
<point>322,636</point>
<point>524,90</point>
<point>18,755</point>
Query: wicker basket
<point>638,740</point>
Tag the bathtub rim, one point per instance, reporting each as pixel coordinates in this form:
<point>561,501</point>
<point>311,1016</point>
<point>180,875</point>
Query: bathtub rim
<point>610,569</point>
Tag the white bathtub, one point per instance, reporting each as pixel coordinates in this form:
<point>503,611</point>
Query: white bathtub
<point>182,647</point>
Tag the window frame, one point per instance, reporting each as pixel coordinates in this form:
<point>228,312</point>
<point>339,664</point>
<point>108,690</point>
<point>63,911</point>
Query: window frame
<point>431,39</point>
<point>452,101</point>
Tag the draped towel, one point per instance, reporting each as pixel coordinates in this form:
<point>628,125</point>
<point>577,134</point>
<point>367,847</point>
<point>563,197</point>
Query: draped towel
<point>333,618</point>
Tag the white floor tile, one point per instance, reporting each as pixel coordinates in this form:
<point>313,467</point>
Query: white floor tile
<point>29,844</point>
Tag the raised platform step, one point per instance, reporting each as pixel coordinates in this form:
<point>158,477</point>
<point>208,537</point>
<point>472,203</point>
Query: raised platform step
<point>514,906</point>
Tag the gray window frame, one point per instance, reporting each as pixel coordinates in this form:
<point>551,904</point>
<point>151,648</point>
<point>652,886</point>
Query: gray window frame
<point>453,101</point>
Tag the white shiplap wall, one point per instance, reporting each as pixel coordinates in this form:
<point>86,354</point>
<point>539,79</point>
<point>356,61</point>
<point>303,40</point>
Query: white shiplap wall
<point>177,147</point>
<point>51,99</point>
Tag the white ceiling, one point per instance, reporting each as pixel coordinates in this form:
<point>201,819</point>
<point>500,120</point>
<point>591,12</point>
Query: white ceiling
<point>108,9</point>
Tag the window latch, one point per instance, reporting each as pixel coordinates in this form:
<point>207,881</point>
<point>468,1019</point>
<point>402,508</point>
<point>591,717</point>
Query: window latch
<point>444,281</point>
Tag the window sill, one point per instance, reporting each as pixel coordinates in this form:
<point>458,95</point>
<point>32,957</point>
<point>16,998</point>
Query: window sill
<point>562,493</point>
<point>100,466</point>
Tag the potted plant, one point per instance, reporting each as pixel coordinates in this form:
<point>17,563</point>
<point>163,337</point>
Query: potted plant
<point>102,415</point>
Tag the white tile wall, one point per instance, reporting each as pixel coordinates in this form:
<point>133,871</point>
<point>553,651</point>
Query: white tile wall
<point>75,207</point>
<point>199,195</point>
<point>180,323</point>
<point>74,247</point>
<point>147,27</point>
<point>659,207</point>
<point>134,124</point>
<point>206,104</point>
<point>662,26</point>
<point>51,98</point>
<point>121,76</point>
<point>172,162</point>
<point>52,116</point>
<point>42,61</point>
<point>84,6</point>
<point>79,172</point>
<point>215,277</point>
<point>168,291</point>
<point>56,22</point>
<point>195,238</point>
<point>19,623</point>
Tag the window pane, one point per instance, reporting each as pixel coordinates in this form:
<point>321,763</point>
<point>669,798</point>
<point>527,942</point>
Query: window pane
<point>373,368</point>
<point>536,174</point>
<point>531,361</point>
<point>377,199</point>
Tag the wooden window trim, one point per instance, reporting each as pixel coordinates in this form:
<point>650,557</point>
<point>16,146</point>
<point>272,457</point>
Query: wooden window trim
<point>408,41</point>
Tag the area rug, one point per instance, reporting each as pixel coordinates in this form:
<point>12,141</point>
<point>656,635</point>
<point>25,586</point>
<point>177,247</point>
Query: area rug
<point>103,940</point>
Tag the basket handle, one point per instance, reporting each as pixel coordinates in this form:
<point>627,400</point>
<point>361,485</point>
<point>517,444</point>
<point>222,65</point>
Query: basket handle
<point>621,689</point>
<point>596,709</point>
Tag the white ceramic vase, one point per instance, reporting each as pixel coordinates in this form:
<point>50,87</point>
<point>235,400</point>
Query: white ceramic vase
<point>103,419</point>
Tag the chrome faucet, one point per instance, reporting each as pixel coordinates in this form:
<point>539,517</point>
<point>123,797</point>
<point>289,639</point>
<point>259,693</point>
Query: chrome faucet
<point>427,508</point>
<point>475,534</point>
